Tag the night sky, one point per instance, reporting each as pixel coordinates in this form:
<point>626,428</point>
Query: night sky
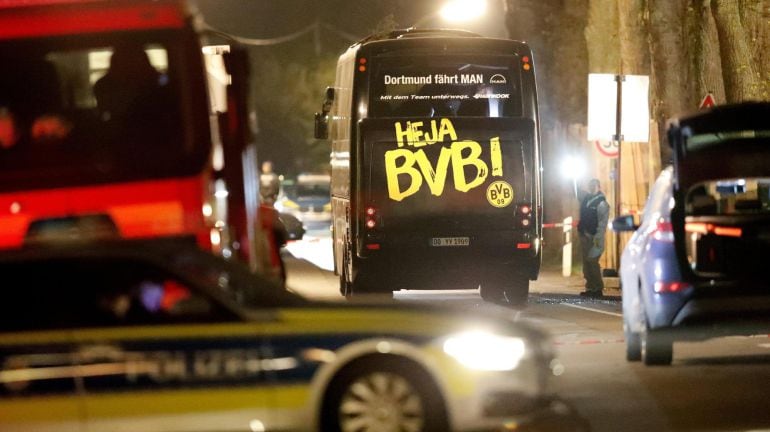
<point>274,18</point>
<point>288,79</point>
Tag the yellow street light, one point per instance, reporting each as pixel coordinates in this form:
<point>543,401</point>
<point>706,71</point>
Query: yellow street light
<point>456,11</point>
<point>463,10</point>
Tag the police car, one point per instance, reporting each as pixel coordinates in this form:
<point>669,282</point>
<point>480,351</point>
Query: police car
<point>157,337</point>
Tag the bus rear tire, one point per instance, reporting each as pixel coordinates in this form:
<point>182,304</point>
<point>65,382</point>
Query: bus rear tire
<point>491,292</point>
<point>510,291</point>
<point>516,292</point>
<point>346,288</point>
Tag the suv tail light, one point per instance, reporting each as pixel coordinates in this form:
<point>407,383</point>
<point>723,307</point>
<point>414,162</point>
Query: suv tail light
<point>663,231</point>
<point>670,287</point>
<point>707,228</point>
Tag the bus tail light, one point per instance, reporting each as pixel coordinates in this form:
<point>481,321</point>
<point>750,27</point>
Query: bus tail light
<point>524,215</point>
<point>370,217</point>
<point>525,63</point>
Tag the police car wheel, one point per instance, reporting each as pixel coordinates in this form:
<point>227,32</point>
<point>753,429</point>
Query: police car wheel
<point>386,393</point>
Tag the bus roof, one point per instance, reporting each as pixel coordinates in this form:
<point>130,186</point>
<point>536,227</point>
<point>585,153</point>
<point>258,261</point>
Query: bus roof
<point>412,38</point>
<point>34,18</point>
<point>414,32</point>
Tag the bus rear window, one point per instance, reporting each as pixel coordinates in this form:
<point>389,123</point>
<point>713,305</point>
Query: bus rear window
<point>445,86</point>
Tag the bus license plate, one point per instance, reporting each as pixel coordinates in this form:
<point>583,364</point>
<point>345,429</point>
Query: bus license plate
<point>450,241</point>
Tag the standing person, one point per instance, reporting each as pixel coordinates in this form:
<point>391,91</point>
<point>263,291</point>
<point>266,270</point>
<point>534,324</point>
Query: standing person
<point>594,214</point>
<point>269,183</point>
<point>270,223</point>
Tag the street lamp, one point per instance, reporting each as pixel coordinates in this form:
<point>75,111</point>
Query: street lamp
<point>573,168</point>
<point>456,11</point>
<point>463,10</point>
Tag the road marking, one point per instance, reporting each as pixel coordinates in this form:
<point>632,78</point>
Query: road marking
<point>593,310</point>
<point>588,342</point>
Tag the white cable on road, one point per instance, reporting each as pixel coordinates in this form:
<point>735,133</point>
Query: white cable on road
<point>615,314</point>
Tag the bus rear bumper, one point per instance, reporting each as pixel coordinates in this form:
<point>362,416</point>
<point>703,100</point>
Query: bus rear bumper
<point>396,270</point>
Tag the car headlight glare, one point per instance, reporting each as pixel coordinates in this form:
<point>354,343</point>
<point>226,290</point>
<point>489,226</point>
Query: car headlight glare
<point>481,350</point>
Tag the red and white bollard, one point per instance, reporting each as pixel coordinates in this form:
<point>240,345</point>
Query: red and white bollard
<point>566,250</point>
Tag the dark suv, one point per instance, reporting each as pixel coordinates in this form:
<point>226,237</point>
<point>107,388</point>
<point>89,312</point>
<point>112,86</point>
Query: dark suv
<point>695,267</point>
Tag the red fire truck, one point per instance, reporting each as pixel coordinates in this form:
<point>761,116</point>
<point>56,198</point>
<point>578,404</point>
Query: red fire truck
<point>116,119</point>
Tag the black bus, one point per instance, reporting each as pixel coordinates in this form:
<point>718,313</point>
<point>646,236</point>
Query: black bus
<point>436,164</point>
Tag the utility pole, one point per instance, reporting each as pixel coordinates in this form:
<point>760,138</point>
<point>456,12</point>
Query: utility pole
<point>618,138</point>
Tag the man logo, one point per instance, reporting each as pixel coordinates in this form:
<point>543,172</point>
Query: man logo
<point>497,79</point>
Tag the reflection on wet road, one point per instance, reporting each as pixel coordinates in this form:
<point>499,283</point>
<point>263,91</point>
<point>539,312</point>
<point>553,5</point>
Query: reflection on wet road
<point>714,385</point>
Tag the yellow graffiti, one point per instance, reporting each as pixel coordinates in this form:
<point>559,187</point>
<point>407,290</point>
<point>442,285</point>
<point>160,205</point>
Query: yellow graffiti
<point>393,170</point>
<point>401,162</point>
<point>412,133</point>
<point>404,166</point>
<point>497,157</point>
<point>459,162</point>
<point>435,178</point>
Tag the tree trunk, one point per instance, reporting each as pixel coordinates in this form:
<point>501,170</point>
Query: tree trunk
<point>636,173</point>
<point>570,61</point>
<point>553,29</point>
<point>634,49</point>
<point>602,37</point>
<point>755,15</point>
<point>705,63</point>
<point>738,70</point>
<point>670,95</point>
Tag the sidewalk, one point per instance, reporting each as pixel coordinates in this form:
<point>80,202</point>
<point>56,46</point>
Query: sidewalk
<point>311,264</point>
<point>307,277</point>
<point>552,281</point>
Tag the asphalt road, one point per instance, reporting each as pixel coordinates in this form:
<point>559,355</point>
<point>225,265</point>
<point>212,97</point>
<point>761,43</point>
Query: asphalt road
<point>718,385</point>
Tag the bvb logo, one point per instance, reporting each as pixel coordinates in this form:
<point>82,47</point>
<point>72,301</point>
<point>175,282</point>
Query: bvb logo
<point>500,194</point>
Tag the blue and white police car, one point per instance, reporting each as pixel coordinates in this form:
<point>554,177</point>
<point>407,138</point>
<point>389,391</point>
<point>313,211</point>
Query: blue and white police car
<point>140,336</point>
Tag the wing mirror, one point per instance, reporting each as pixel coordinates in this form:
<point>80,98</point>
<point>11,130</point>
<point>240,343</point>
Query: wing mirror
<point>322,118</point>
<point>624,223</point>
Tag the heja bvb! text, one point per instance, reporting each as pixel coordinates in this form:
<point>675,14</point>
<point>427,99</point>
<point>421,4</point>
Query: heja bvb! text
<point>410,160</point>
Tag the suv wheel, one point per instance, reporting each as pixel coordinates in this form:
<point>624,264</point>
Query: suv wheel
<point>633,346</point>
<point>657,348</point>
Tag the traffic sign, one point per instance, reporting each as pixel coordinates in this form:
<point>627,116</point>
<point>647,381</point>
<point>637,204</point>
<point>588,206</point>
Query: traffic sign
<point>607,148</point>
<point>708,101</point>
<point>603,107</point>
